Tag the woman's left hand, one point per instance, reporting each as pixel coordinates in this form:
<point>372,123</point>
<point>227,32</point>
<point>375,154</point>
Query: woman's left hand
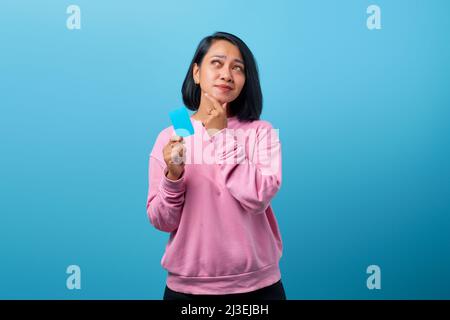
<point>217,119</point>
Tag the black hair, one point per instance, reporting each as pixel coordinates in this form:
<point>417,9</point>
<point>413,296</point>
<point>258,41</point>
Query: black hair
<point>248,105</point>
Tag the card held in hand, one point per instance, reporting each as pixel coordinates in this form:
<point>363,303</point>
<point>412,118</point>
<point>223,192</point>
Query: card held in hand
<point>181,122</point>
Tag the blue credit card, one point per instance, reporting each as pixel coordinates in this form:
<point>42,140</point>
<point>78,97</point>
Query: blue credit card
<point>181,122</point>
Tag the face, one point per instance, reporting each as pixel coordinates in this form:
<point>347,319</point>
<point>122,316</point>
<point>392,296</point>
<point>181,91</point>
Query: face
<point>222,71</point>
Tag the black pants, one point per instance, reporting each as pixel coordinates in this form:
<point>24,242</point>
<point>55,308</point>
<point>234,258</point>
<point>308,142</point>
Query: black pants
<point>272,292</point>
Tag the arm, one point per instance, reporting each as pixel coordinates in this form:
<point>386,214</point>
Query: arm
<point>252,182</point>
<point>165,197</point>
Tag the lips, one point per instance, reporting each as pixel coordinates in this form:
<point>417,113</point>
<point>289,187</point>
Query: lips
<point>224,87</point>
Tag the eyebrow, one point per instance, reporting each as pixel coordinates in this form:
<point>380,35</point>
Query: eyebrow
<point>224,57</point>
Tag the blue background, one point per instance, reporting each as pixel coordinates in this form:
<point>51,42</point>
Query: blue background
<point>363,118</point>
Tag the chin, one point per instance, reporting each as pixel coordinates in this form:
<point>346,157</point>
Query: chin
<point>223,98</point>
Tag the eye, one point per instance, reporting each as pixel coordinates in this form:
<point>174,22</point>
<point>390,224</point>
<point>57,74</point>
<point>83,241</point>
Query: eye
<point>215,62</point>
<point>239,68</point>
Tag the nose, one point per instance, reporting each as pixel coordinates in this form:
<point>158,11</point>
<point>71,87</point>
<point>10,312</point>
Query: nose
<point>226,75</point>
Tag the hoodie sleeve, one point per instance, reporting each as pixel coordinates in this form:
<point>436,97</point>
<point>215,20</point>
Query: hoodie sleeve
<point>165,197</point>
<point>252,182</point>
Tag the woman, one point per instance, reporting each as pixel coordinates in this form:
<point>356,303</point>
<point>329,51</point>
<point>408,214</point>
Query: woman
<point>212,190</point>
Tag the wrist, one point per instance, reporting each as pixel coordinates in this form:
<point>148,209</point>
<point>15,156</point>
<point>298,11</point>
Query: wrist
<point>172,176</point>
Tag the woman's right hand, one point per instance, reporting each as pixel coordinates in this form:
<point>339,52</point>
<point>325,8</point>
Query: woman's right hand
<point>174,156</point>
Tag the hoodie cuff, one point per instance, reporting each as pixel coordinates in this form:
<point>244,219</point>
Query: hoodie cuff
<point>175,186</point>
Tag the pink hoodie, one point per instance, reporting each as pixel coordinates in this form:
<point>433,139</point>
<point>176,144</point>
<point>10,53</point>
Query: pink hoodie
<point>224,237</point>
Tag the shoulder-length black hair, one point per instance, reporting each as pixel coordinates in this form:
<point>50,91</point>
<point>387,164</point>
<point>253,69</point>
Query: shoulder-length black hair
<point>248,105</point>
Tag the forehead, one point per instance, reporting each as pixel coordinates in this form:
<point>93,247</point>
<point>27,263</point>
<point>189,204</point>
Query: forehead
<point>224,48</point>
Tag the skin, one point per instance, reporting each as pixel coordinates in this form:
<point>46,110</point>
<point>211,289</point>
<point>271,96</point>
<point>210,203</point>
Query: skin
<point>171,149</point>
<point>222,65</point>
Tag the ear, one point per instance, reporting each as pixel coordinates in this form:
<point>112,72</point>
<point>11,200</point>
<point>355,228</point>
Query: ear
<point>196,73</point>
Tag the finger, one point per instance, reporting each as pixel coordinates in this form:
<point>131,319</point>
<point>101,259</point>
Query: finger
<point>176,157</point>
<point>213,100</point>
<point>177,146</point>
<point>176,138</point>
<point>176,149</point>
<point>219,107</point>
<point>214,113</point>
<point>171,144</point>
